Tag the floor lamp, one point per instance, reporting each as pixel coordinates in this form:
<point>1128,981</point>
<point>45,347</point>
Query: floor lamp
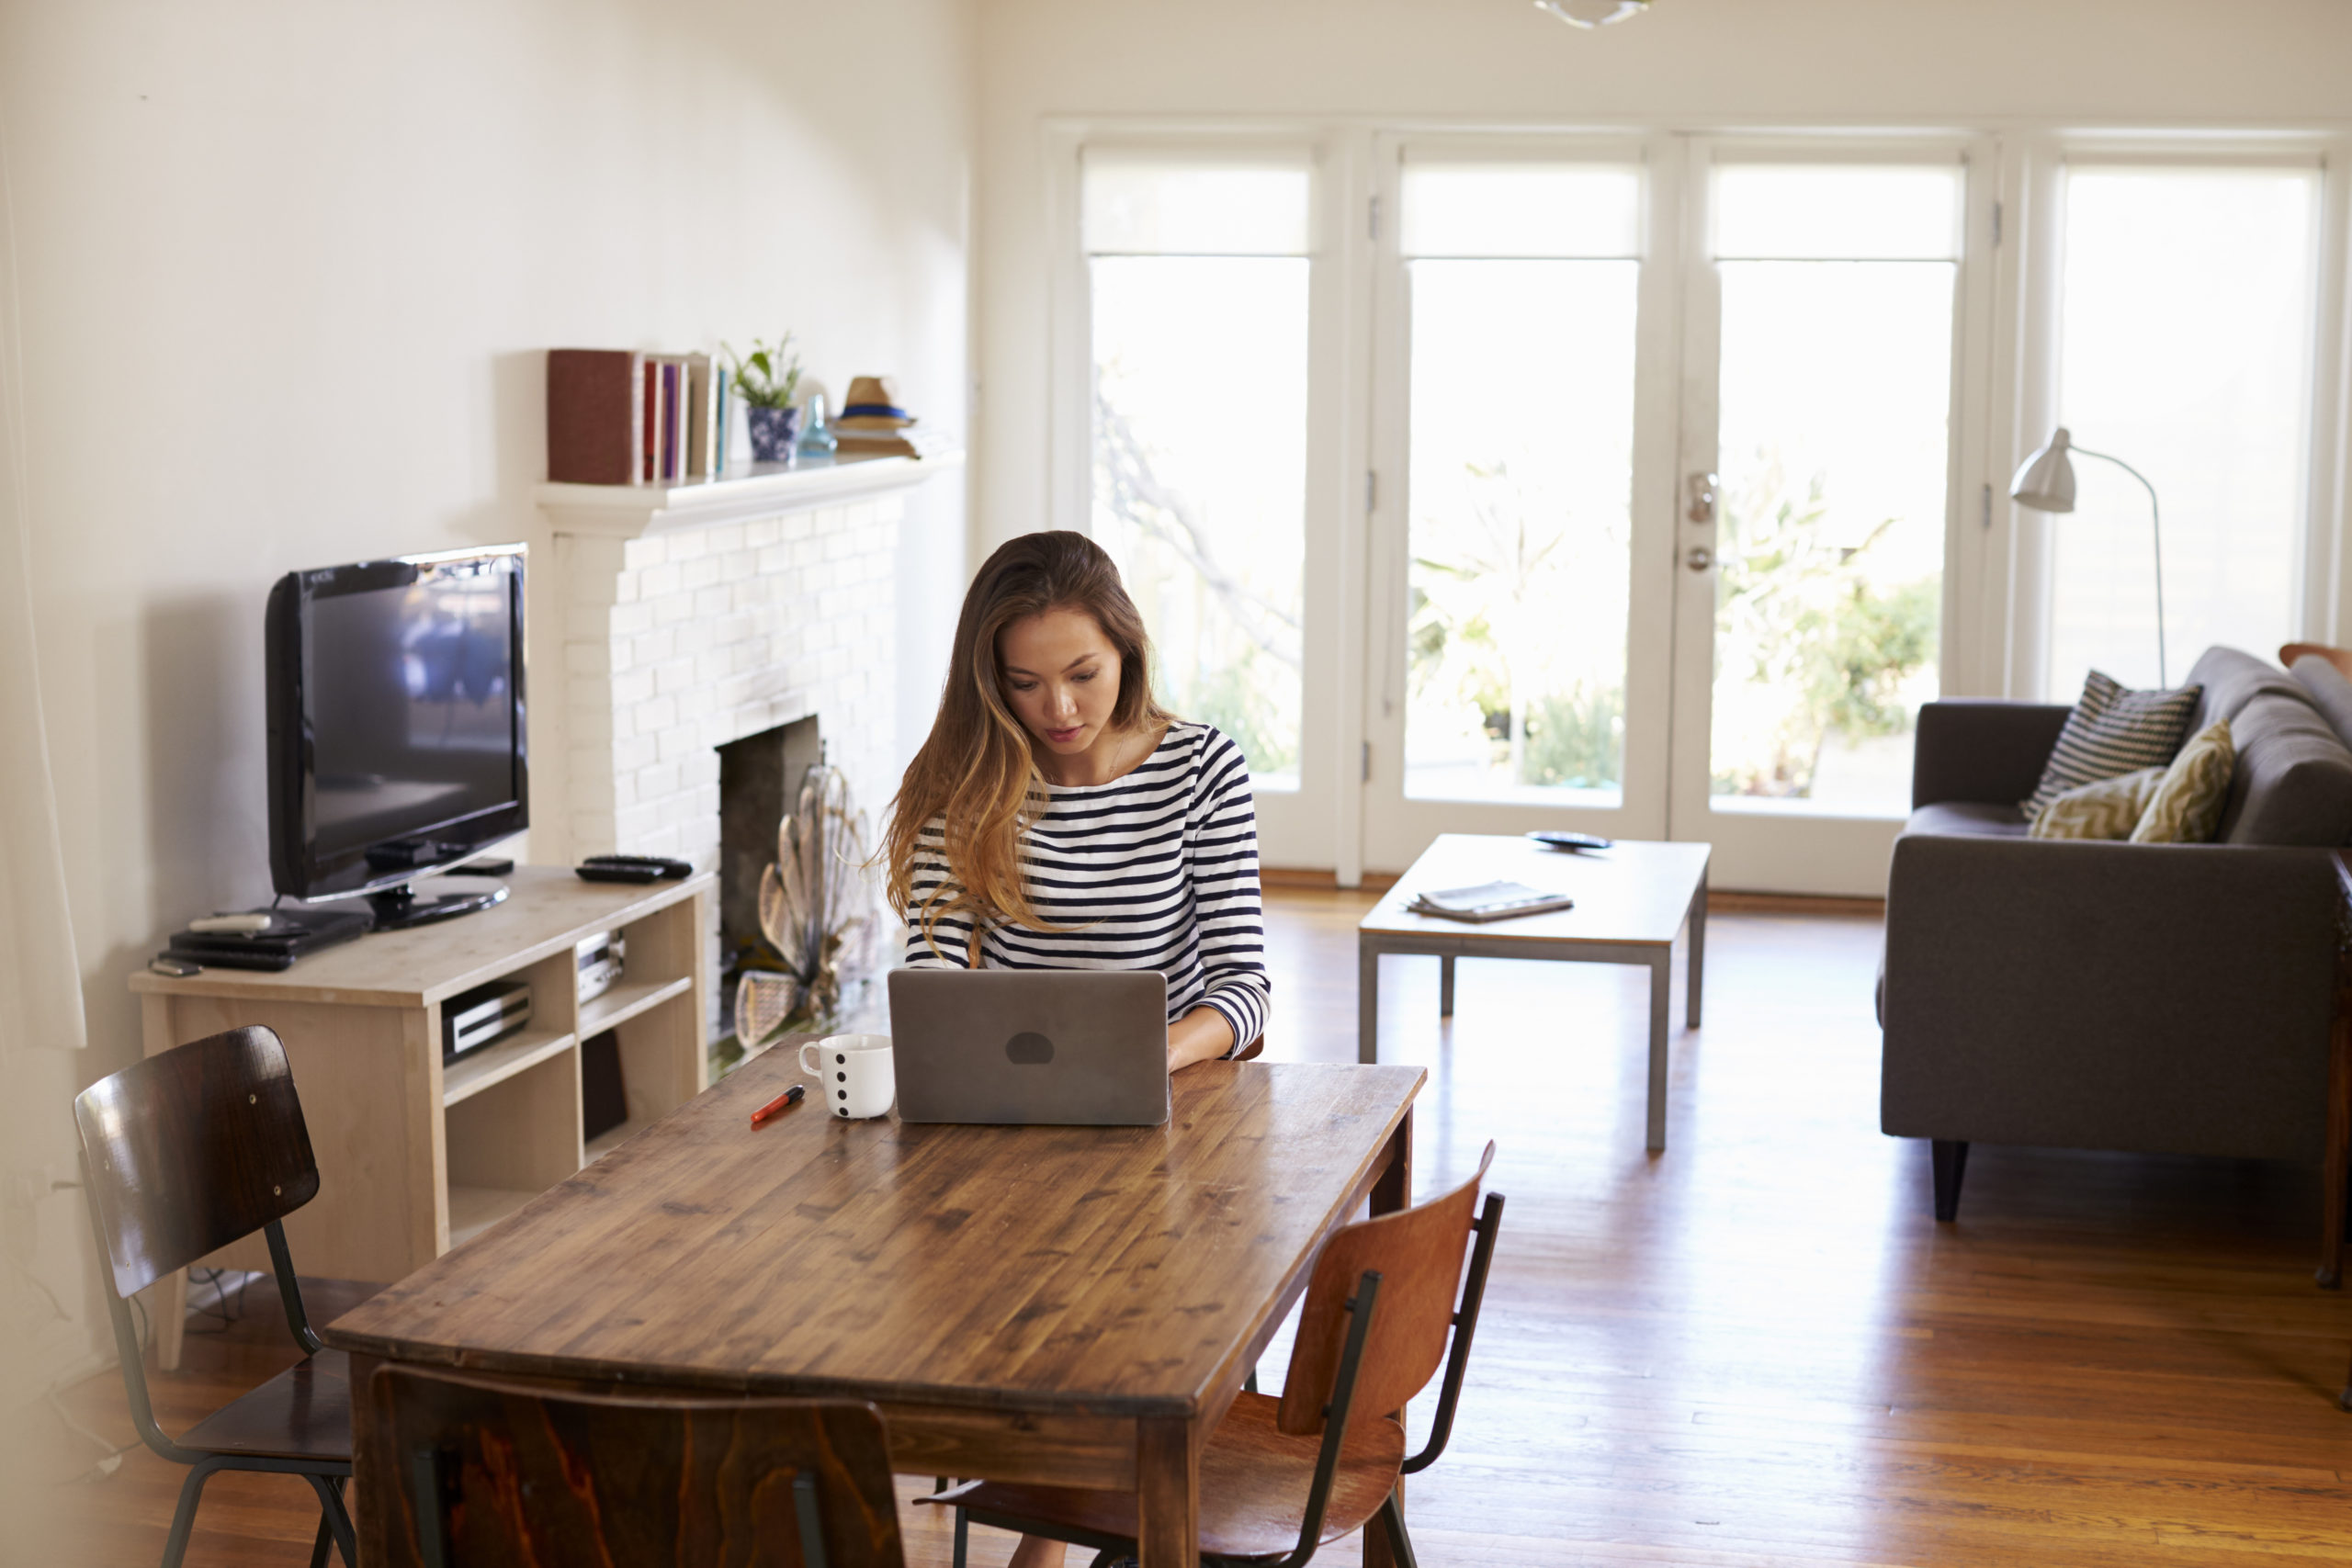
<point>2046,483</point>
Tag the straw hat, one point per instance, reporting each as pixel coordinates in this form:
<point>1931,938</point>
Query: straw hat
<point>873,401</point>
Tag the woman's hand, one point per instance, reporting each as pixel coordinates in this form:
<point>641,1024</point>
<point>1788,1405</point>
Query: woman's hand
<point>1201,1035</point>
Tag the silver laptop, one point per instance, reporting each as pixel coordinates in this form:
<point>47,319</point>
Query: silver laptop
<point>1059,1047</point>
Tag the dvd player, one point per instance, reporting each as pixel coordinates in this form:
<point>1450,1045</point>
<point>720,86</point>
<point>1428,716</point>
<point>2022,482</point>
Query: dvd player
<point>483,1016</point>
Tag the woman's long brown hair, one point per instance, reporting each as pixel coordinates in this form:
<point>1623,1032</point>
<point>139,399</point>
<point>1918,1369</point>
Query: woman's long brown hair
<point>978,770</point>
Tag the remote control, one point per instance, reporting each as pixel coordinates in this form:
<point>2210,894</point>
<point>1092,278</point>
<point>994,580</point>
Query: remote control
<point>632,868</point>
<point>1555,840</point>
<point>177,968</point>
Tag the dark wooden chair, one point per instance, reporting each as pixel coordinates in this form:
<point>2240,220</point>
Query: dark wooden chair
<point>182,1155</point>
<point>2339,657</point>
<point>1282,1476</point>
<point>496,1472</point>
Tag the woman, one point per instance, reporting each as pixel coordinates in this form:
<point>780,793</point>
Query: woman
<point>1056,818</point>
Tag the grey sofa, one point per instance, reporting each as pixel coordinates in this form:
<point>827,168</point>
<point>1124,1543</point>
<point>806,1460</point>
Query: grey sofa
<point>2158,999</point>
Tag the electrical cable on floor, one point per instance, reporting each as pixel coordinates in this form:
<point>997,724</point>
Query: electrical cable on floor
<point>42,1286</point>
<point>107,1466</point>
<point>230,1313</point>
<point>111,1460</point>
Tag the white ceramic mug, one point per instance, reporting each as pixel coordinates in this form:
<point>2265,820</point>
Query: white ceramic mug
<point>855,1073</point>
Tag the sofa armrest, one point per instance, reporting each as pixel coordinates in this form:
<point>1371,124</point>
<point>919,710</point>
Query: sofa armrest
<point>1982,751</point>
<point>2168,998</point>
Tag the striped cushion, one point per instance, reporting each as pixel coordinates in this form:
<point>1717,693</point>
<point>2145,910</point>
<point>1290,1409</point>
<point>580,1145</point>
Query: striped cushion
<point>2113,731</point>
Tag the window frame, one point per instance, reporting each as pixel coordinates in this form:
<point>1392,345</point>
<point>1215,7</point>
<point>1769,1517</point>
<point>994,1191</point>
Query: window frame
<point>2034,276</point>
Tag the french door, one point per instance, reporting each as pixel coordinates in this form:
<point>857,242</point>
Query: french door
<point>1201,437</point>
<point>1658,439</point>
<point>1525,388</point>
<point>1668,434</point>
<point>1831,321</point>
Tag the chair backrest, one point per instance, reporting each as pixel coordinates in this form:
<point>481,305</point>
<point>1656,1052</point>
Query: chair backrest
<point>2339,657</point>
<point>190,1150</point>
<point>1419,1253</point>
<point>497,1472</point>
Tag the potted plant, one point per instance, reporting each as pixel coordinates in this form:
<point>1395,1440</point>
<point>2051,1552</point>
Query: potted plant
<point>765,380</point>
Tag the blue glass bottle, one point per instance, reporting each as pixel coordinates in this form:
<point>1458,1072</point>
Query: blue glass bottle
<point>817,440</point>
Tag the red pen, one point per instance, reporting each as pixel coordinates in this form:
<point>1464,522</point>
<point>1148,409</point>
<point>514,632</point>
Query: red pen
<point>780,1104</point>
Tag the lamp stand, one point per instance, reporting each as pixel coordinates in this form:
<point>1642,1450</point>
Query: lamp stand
<point>2155,525</point>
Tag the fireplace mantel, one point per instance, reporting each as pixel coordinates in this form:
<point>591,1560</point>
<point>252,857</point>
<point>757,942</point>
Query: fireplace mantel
<point>764,490</point>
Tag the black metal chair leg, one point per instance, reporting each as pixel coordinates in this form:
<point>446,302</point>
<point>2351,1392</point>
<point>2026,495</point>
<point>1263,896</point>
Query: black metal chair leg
<point>1250,1383</point>
<point>334,1518</point>
<point>963,1536</point>
<point>319,1545</point>
<point>1400,1545</point>
<point>184,1517</point>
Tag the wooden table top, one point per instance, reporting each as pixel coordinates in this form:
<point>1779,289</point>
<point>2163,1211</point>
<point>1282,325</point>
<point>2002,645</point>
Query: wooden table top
<point>1112,1270</point>
<point>1634,893</point>
<point>547,909</point>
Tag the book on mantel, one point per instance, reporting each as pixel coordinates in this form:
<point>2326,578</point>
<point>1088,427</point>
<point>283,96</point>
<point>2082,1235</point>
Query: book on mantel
<point>1488,901</point>
<point>618,417</point>
<point>595,406</point>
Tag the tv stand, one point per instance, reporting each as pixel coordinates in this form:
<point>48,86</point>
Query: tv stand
<point>415,1154</point>
<point>397,909</point>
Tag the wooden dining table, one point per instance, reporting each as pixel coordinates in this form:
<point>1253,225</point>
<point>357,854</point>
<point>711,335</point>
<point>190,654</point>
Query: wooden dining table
<point>1073,1306</point>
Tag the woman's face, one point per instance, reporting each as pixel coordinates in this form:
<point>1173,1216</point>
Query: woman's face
<point>1060,677</point>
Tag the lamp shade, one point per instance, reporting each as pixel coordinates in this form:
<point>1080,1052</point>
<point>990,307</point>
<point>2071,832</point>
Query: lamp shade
<point>1593,13</point>
<point>2046,483</point>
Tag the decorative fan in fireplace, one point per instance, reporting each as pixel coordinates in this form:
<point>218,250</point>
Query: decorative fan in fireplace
<point>816,911</point>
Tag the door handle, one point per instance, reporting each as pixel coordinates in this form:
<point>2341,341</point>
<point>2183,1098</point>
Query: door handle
<point>1702,499</point>
<point>1700,558</point>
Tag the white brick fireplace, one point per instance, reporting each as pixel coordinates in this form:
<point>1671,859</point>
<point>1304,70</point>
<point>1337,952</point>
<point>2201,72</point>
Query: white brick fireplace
<point>689,616</point>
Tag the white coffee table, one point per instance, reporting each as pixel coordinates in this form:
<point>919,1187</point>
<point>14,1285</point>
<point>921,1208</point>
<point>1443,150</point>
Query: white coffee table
<point>1633,901</point>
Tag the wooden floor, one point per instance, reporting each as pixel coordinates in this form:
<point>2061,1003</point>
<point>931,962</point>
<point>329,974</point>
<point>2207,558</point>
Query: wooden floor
<point>1757,1348</point>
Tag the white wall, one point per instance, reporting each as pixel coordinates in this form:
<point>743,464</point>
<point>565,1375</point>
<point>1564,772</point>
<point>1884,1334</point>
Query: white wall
<point>286,271</point>
<point>1700,62</point>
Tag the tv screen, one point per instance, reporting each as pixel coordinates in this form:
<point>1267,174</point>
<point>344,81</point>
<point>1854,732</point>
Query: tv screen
<point>397,735</point>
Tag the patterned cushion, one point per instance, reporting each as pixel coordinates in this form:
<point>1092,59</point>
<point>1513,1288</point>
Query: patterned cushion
<point>2113,731</point>
<point>2186,808</point>
<point>2105,809</point>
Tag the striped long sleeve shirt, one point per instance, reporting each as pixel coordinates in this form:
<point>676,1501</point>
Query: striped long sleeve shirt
<point>1156,869</point>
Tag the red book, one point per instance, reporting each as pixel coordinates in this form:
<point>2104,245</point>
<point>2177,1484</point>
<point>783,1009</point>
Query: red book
<point>593,415</point>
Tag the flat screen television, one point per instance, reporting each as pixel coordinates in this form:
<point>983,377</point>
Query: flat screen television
<point>396,727</point>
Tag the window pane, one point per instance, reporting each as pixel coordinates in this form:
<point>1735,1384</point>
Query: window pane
<point>1825,212</point>
<point>2186,321</point>
<point>1522,433</point>
<point>1138,205</point>
<point>1835,394</point>
<point>1550,211</point>
<point>1199,481</point>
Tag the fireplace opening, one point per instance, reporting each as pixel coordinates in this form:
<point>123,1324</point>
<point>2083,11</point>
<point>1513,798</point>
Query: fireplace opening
<point>759,780</point>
